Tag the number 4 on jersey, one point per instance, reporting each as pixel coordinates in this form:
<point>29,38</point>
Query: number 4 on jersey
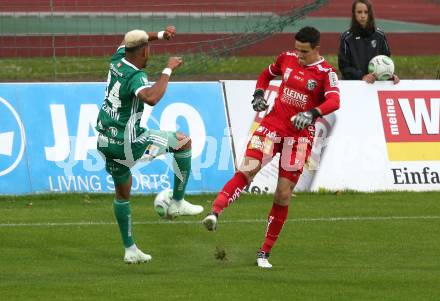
<point>113,95</point>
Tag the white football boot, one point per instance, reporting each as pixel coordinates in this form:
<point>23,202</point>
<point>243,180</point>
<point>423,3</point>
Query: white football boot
<point>210,222</point>
<point>183,207</point>
<point>263,260</point>
<point>134,255</point>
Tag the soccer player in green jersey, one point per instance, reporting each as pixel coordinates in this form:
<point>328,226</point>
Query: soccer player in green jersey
<point>123,142</point>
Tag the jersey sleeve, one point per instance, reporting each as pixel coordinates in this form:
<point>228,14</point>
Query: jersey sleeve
<point>275,67</point>
<point>331,93</point>
<point>272,71</point>
<point>138,82</point>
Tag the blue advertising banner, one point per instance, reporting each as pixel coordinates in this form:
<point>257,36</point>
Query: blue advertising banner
<point>48,140</point>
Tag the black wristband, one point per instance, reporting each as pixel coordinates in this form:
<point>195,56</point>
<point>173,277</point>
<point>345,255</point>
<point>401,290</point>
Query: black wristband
<point>258,92</point>
<point>315,113</point>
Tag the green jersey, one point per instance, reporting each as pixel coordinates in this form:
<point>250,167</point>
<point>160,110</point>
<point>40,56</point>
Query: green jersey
<point>121,111</point>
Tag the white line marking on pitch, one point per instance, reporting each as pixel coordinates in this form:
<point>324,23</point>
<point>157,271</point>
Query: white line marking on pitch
<point>238,221</point>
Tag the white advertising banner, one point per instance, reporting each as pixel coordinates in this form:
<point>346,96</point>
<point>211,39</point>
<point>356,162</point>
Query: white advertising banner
<point>384,137</point>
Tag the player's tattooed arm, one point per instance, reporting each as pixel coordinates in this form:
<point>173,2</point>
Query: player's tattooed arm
<point>153,94</point>
<point>167,34</point>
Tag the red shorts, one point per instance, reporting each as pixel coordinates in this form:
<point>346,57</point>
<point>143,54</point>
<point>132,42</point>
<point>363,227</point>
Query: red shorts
<point>294,151</point>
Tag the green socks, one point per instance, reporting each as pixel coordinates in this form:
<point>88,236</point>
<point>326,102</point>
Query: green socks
<point>122,211</point>
<point>182,168</point>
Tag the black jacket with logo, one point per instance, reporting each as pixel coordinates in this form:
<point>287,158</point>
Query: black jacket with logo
<point>357,49</point>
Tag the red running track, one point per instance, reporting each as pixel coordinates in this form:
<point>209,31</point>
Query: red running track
<point>89,45</point>
<point>206,6</point>
<point>421,11</point>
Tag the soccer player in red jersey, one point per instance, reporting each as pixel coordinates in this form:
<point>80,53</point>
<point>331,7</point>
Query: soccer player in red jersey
<point>309,89</point>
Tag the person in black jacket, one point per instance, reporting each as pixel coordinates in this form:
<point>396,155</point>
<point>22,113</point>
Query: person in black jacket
<point>361,43</point>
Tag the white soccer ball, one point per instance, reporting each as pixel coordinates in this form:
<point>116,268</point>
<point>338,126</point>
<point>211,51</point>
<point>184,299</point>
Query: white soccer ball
<point>382,67</point>
<point>162,202</point>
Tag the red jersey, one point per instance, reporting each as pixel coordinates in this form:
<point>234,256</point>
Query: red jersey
<point>302,88</point>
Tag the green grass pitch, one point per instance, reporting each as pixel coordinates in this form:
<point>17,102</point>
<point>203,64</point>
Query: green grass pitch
<point>349,246</point>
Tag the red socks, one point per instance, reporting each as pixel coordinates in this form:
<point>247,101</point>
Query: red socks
<point>277,216</point>
<point>275,222</point>
<point>230,192</point>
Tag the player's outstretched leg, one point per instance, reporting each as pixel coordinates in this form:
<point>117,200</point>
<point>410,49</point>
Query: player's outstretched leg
<point>230,192</point>
<point>182,168</point>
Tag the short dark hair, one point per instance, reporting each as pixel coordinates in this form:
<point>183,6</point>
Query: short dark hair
<point>308,34</point>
